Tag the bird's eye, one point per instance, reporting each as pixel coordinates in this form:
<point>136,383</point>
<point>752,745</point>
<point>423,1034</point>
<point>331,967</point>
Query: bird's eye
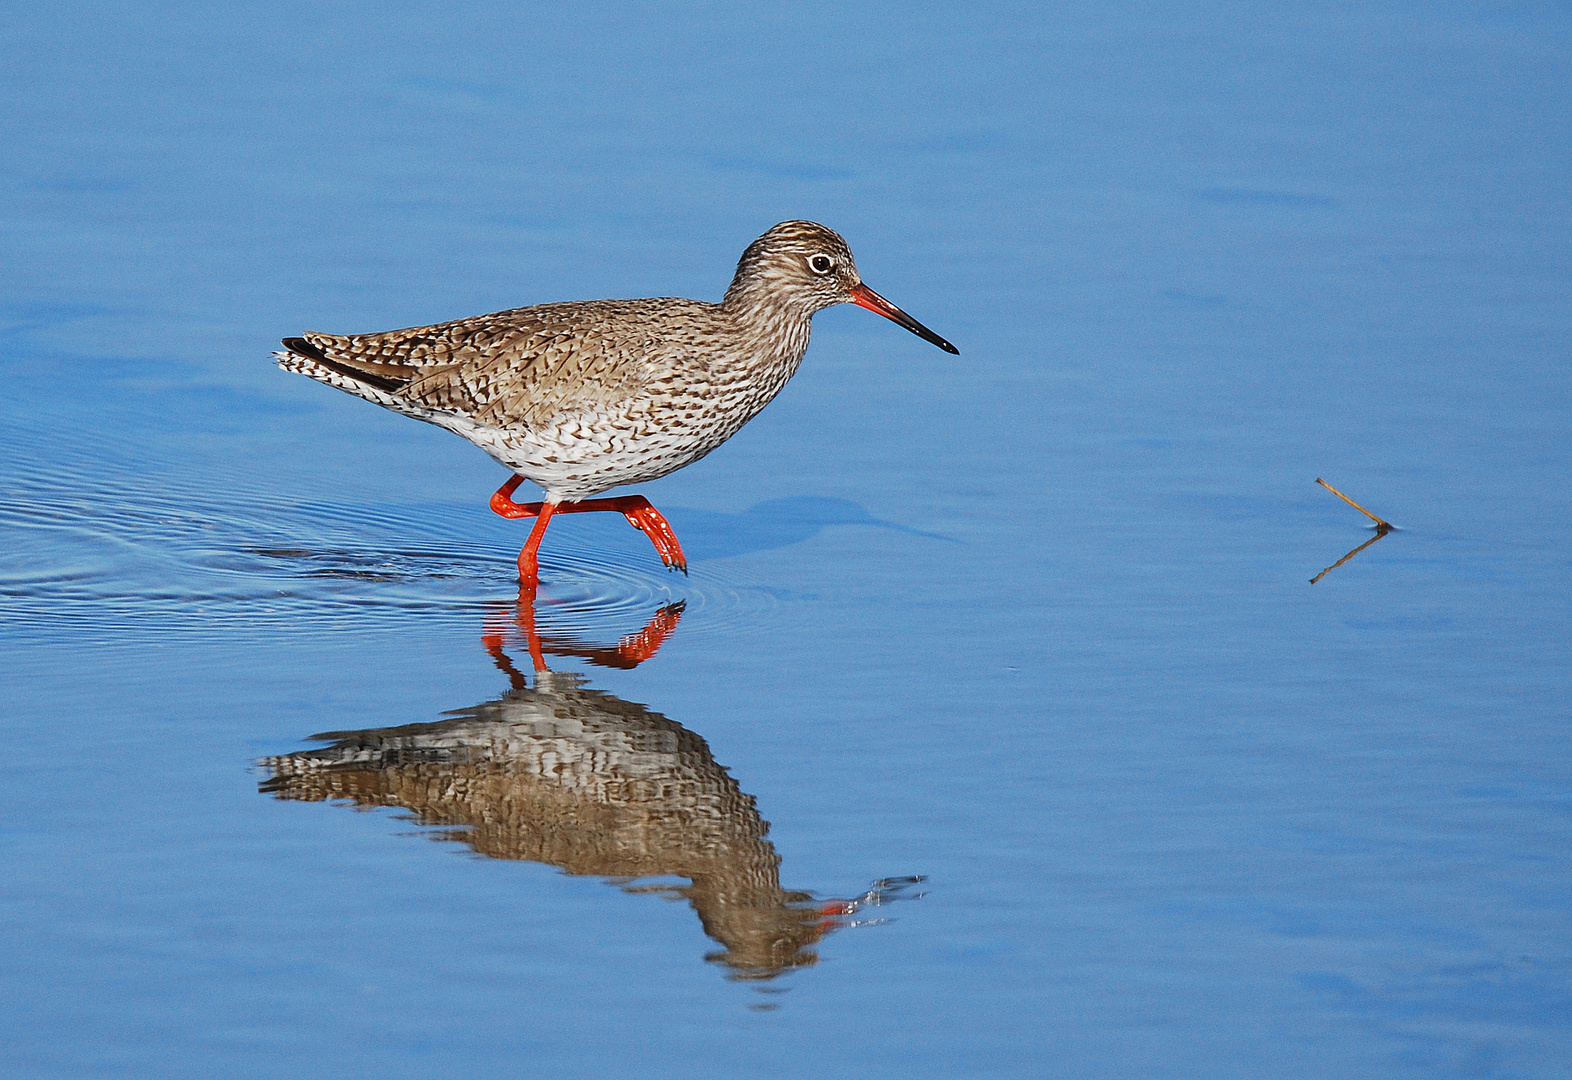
<point>821,264</point>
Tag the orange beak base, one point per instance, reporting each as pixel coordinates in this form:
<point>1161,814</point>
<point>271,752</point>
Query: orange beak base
<point>865,297</point>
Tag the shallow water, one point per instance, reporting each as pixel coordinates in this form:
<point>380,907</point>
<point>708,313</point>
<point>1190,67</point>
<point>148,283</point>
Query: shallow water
<point>998,729</point>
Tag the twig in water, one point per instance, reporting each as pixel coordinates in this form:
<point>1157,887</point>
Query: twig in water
<point>1384,526</point>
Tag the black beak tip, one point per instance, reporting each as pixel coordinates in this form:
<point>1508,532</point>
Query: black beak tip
<point>951,349</point>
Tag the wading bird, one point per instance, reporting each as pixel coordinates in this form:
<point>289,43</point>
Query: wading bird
<point>583,397</point>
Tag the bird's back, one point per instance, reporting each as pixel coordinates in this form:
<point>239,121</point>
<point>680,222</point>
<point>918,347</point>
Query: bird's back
<point>528,367</point>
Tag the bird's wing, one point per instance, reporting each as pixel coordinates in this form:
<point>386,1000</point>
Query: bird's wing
<point>524,366</point>
<point>396,358</point>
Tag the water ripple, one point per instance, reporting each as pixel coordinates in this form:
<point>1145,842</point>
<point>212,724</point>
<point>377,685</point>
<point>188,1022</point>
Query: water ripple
<point>173,559</point>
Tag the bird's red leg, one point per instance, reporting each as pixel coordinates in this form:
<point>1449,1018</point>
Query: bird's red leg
<point>636,508</point>
<point>502,502</point>
<point>642,516</point>
<point>529,558</point>
<point>653,524</point>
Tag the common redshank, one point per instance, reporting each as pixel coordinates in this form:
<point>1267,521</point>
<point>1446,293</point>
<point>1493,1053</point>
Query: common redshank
<point>583,397</point>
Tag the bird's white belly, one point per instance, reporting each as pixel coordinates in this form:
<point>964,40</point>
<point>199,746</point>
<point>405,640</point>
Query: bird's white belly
<point>581,456</point>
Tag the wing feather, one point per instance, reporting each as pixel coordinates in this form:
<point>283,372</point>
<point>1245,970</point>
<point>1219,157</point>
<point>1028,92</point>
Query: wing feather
<point>522,366</point>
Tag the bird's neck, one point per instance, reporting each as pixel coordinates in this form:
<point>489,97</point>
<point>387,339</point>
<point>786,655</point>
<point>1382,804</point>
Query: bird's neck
<point>776,332</point>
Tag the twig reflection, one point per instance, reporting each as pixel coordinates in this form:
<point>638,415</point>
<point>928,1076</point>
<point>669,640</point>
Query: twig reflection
<point>1381,530</point>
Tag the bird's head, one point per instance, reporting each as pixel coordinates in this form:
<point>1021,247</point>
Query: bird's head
<point>805,266</point>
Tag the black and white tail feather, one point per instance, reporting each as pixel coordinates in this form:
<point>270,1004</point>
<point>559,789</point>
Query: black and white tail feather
<point>304,358</point>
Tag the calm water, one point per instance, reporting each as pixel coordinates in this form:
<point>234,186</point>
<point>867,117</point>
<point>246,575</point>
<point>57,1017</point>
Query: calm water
<point>998,730</point>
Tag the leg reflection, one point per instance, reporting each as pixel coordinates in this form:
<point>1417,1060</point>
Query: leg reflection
<point>630,651</point>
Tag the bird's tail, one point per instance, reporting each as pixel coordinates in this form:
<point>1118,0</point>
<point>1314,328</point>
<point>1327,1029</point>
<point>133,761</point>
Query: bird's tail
<point>303,358</point>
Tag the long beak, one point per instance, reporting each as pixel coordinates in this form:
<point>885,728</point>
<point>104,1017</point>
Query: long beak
<point>863,296</point>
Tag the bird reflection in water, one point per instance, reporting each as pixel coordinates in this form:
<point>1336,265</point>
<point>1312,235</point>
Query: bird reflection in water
<point>559,773</point>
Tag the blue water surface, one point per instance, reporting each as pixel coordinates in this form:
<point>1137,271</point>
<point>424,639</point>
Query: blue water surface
<point>1034,625</point>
